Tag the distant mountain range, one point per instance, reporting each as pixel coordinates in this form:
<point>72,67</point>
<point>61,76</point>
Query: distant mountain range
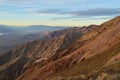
<point>33,28</point>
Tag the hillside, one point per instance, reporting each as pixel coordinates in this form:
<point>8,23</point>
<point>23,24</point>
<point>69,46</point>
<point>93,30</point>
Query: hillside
<point>86,53</point>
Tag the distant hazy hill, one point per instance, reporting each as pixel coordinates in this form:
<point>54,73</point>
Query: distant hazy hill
<point>5,29</point>
<point>46,28</point>
<point>33,28</point>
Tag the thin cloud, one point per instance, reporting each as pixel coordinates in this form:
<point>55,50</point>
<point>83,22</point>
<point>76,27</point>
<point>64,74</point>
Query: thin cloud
<point>97,12</point>
<point>50,11</point>
<point>92,14</point>
<point>81,13</point>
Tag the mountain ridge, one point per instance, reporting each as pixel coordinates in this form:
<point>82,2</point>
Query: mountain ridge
<point>66,49</point>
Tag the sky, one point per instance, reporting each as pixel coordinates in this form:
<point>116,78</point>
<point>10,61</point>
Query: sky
<point>57,12</point>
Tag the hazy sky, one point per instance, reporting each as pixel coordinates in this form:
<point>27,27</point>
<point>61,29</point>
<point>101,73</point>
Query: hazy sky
<point>57,12</point>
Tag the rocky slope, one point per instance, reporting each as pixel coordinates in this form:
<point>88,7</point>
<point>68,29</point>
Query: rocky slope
<point>14,62</point>
<point>87,53</point>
